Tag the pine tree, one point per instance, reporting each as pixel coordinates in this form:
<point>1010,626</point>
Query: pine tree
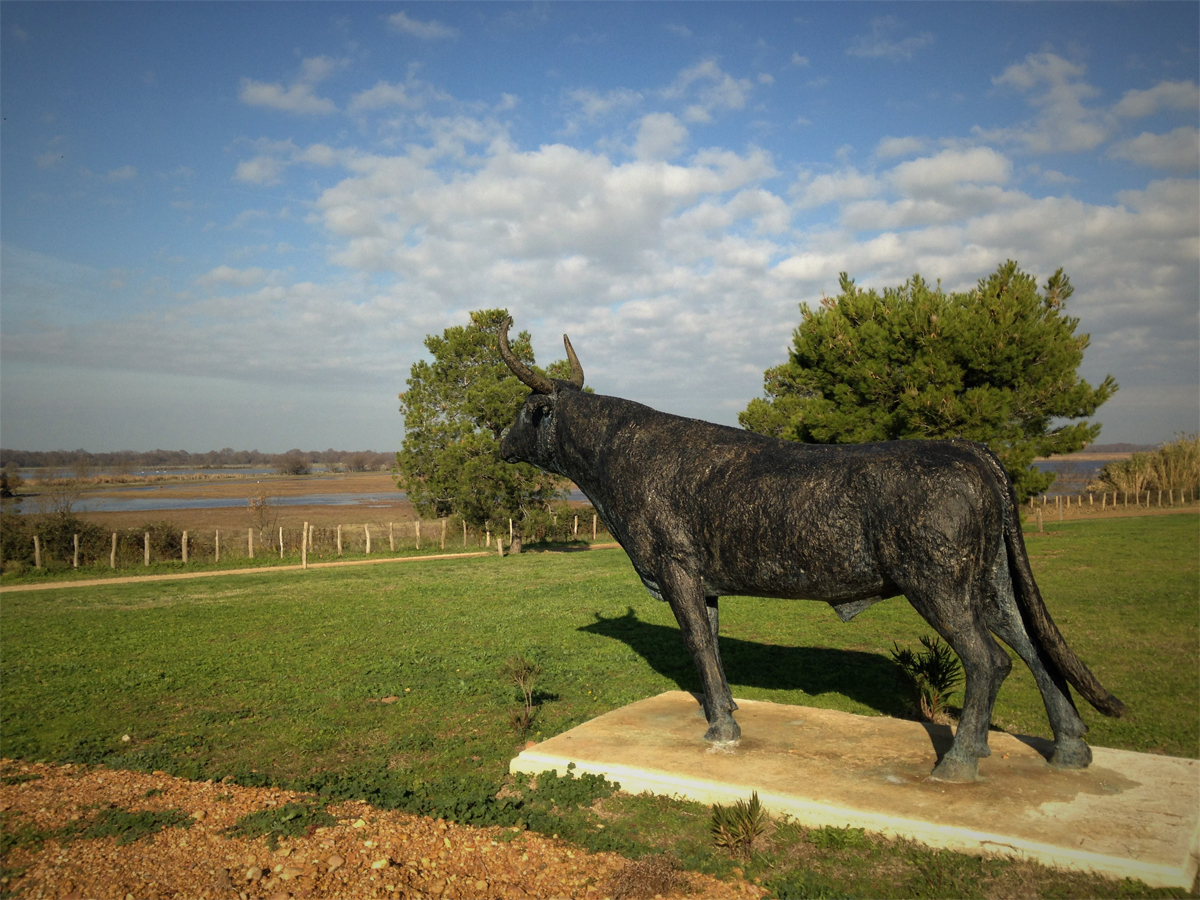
<point>456,409</point>
<point>996,365</point>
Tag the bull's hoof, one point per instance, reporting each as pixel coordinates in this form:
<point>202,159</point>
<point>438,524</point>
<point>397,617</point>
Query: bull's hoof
<point>723,730</point>
<point>1071,753</point>
<point>955,770</point>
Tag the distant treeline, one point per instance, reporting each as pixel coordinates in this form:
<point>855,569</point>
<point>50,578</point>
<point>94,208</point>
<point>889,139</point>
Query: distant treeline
<point>351,460</point>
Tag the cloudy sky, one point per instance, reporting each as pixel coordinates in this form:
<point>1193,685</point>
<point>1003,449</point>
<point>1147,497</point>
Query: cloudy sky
<point>233,224</point>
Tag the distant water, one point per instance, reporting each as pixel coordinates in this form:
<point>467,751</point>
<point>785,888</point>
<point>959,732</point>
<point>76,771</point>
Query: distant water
<point>99,503</point>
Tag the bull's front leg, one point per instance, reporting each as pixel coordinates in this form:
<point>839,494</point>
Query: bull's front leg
<point>685,593</point>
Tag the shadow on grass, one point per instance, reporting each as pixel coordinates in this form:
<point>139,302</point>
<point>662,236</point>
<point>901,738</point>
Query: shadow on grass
<point>867,678</point>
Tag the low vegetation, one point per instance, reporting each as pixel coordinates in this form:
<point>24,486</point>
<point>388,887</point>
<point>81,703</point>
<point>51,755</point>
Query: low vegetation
<point>1173,467</point>
<point>280,679</point>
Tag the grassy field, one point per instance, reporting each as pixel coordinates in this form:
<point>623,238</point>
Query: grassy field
<point>283,677</point>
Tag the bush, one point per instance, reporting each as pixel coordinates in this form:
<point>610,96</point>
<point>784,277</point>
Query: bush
<point>295,463</point>
<point>1174,466</point>
<point>56,533</point>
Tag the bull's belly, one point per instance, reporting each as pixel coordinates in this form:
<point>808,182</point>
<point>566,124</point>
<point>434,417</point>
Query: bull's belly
<point>805,587</point>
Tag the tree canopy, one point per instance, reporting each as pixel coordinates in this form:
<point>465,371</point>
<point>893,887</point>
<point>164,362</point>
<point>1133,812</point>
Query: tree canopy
<point>456,409</point>
<point>996,365</point>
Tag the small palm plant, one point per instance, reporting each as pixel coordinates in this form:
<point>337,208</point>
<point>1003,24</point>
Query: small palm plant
<point>934,672</point>
<point>735,828</point>
<point>524,674</point>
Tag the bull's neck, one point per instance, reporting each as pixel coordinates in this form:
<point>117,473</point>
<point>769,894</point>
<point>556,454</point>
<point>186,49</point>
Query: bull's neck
<point>584,433</point>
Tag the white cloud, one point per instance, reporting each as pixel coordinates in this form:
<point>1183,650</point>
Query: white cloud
<point>1174,95</point>
<point>849,184</point>
<point>1064,123</point>
<point>297,98</point>
<point>122,174</point>
<point>318,68</point>
<point>660,136</point>
<point>260,170</point>
<point>879,44</point>
<point>224,275</point>
<point>426,31</point>
<point>930,176</point>
<point>714,89</point>
<point>798,60</point>
<point>382,95</point>
<point>50,158</point>
<point>596,106</point>
<point>1177,150</point>
<point>900,146</point>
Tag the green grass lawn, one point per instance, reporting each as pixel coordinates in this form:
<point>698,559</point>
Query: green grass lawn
<point>280,676</point>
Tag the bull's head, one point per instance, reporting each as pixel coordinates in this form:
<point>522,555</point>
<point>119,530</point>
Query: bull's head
<point>531,437</point>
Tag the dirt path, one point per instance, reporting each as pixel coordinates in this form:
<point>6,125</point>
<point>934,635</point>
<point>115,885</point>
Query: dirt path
<point>265,570</point>
<point>367,853</point>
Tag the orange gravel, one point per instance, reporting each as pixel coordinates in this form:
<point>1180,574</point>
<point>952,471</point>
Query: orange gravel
<point>369,853</point>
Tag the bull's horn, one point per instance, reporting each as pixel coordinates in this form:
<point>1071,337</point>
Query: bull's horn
<point>576,368</point>
<point>539,384</point>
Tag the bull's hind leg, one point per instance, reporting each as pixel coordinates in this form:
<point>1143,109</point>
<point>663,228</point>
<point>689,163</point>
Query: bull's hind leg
<point>1004,618</point>
<point>985,666</point>
<point>685,594</point>
<point>714,627</point>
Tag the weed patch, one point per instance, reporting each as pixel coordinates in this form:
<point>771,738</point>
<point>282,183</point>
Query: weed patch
<point>289,820</point>
<point>128,827</point>
<point>19,778</point>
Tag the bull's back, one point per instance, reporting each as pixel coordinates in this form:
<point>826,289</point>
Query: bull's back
<point>754,515</point>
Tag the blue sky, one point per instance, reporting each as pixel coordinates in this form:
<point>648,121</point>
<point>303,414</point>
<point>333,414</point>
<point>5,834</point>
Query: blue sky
<point>233,224</point>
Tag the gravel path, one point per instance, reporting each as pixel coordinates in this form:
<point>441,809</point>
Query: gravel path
<point>368,853</point>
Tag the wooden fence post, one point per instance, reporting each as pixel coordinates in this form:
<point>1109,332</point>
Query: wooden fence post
<point>367,532</point>
<point>510,532</point>
<point>443,534</point>
<point>146,548</point>
<point>1039,517</point>
<point>418,527</point>
<point>577,527</point>
<point>250,541</point>
<point>1091,499</point>
<point>185,548</point>
<point>593,526</point>
<point>488,541</point>
<point>112,557</point>
<point>304,546</point>
<point>75,556</point>
<point>1170,497</point>
<point>339,538</point>
<point>391,538</point>
<point>37,552</point>
<point>217,545</point>
<point>464,532</point>
<point>499,546</point>
<point>281,542</point>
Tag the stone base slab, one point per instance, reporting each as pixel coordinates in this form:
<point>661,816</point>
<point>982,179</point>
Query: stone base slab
<point>1128,815</point>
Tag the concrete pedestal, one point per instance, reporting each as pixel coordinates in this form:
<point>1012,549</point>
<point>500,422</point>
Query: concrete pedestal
<point>1127,815</point>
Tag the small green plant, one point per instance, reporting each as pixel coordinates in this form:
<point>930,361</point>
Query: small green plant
<point>803,884</point>
<point>833,838</point>
<point>153,792</point>
<point>934,672</point>
<point>735,828</point>
<point>524,674</point>
<point>289,820</point>
<point>128,827</point>
<point>19,778</point>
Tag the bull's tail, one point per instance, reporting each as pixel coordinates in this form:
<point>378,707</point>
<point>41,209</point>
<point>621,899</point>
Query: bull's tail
<point>1045,632</point>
